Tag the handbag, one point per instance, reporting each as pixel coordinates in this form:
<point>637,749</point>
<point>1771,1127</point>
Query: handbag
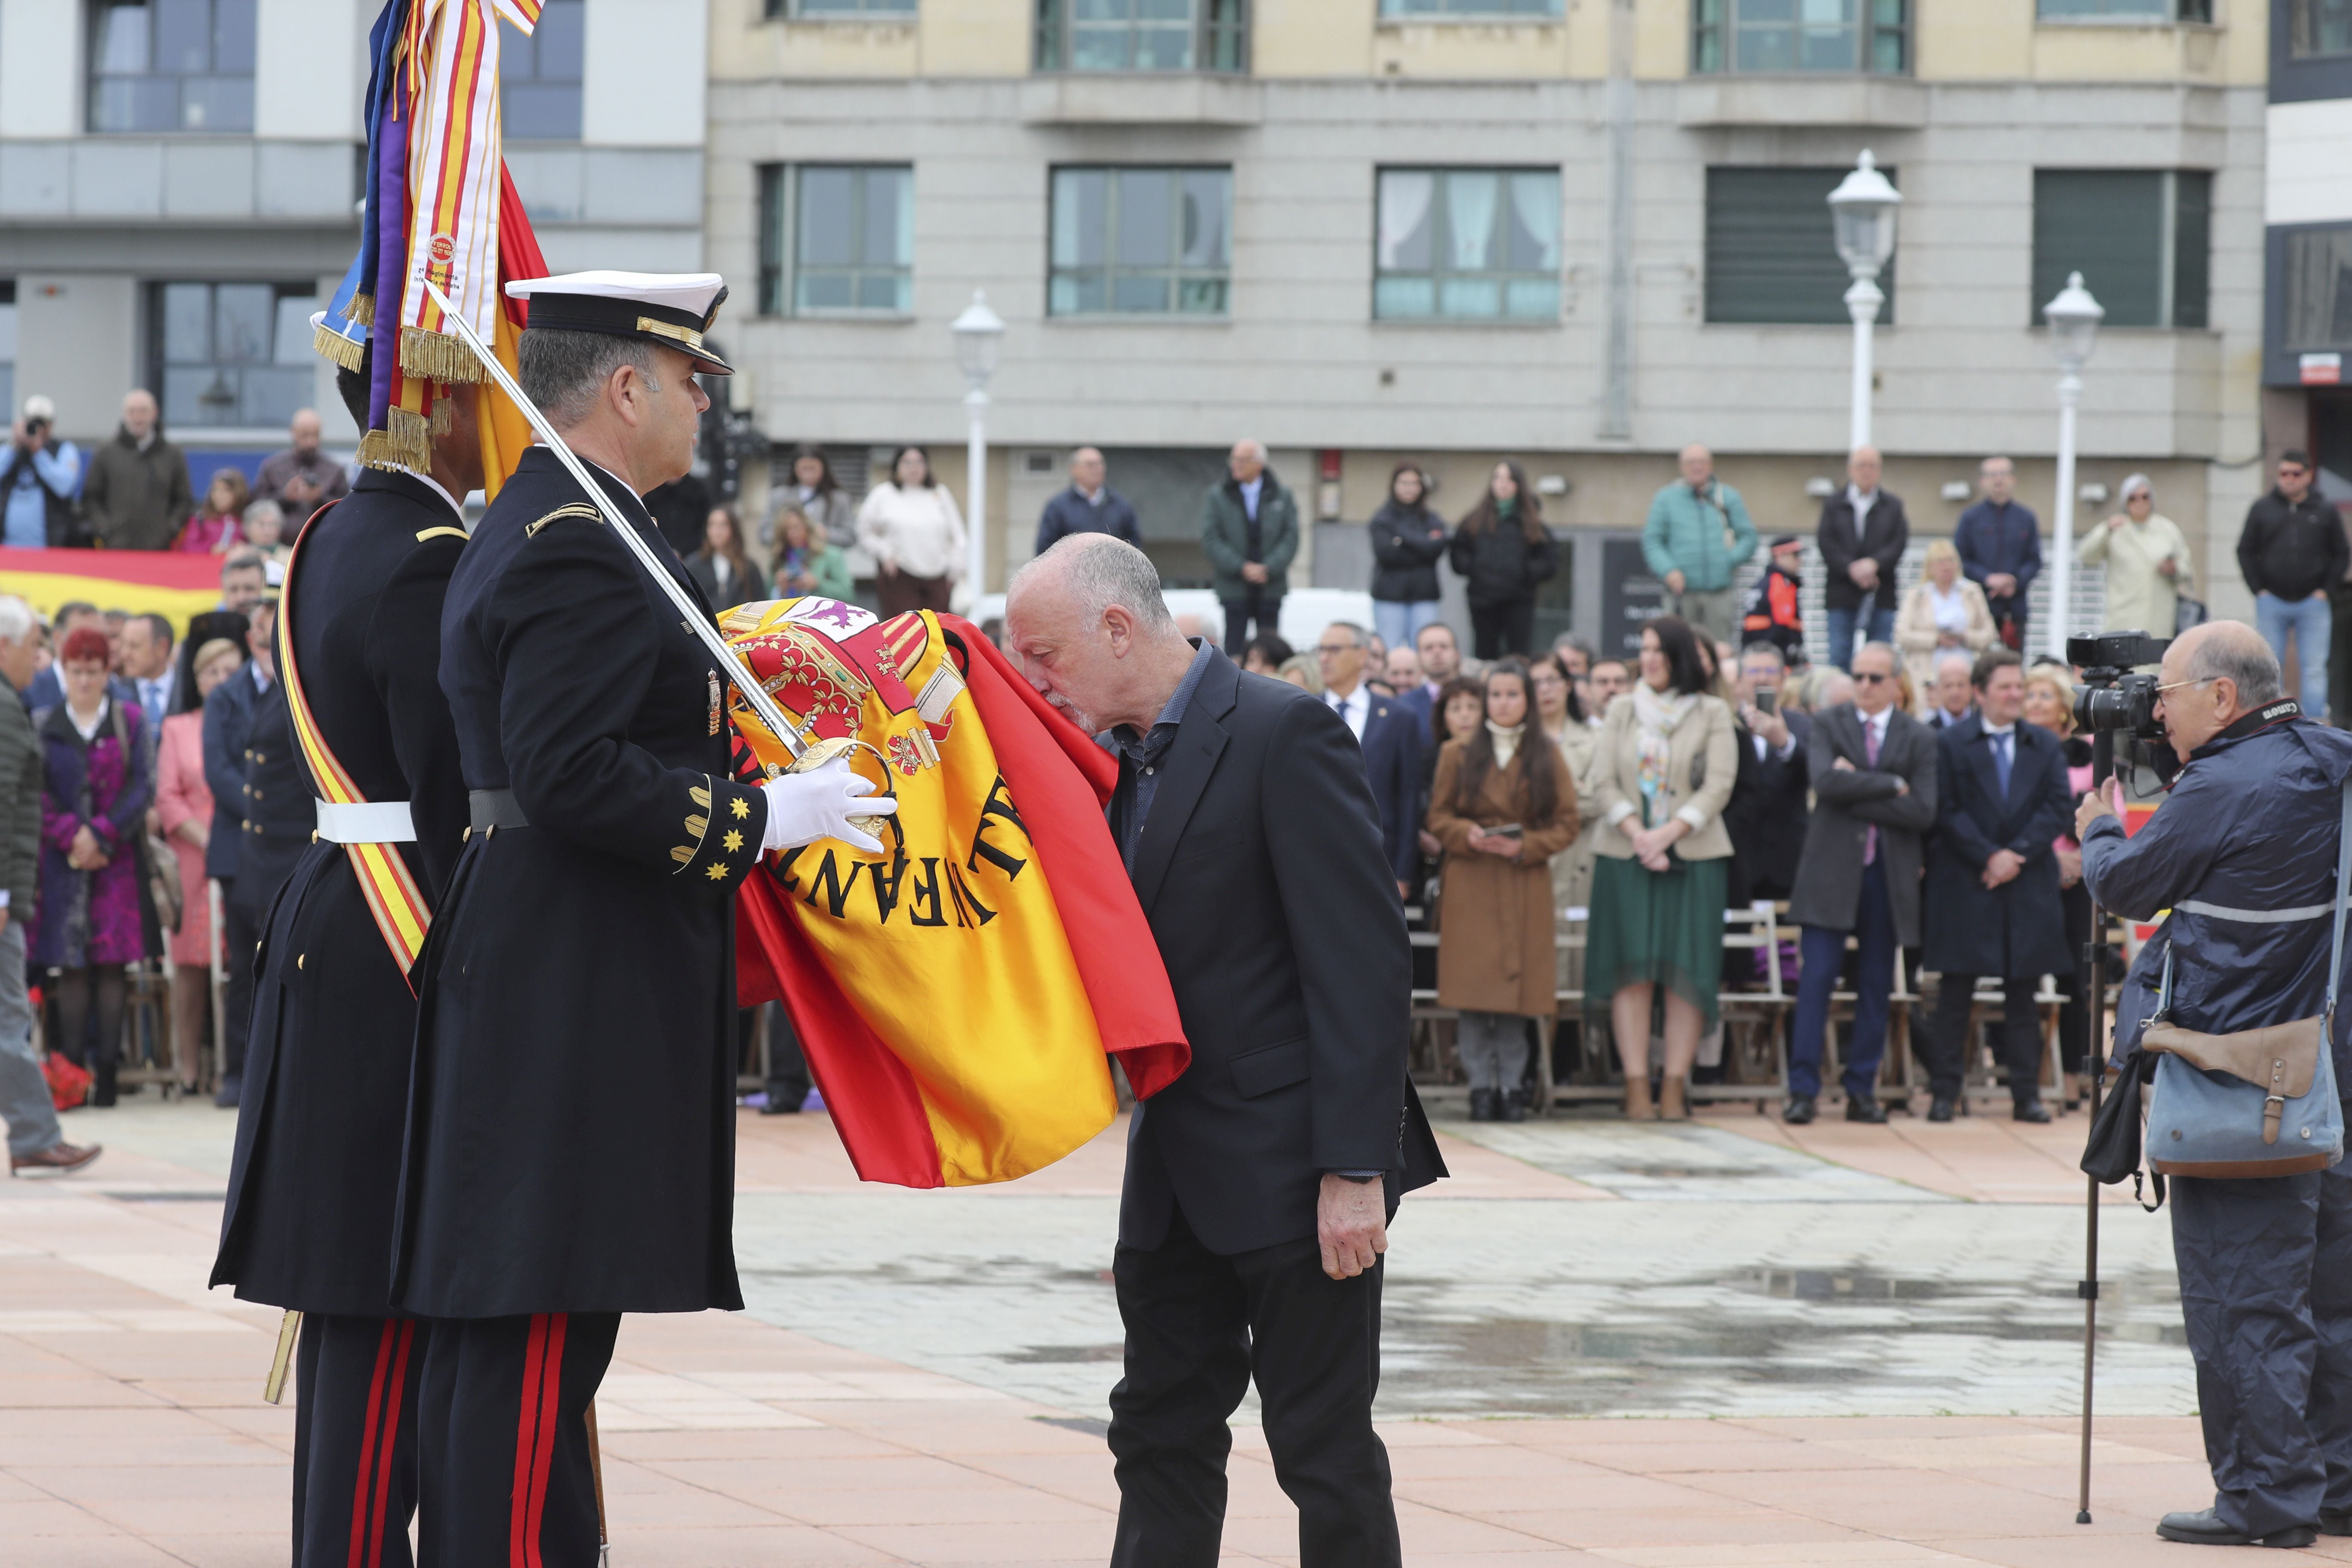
<point>2113,1151</point>
<point>2258,1102</point>
<point>68,1082</point>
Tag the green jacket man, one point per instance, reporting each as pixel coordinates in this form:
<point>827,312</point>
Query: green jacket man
<point>1249,531</point>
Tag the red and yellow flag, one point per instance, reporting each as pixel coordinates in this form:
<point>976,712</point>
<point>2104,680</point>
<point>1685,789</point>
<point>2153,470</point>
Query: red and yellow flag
<point>167,583</point>
<point>957,995</point>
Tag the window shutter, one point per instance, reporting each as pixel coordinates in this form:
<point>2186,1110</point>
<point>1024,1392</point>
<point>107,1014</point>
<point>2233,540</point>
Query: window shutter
<point>1771,256</point>
<point>2192,246</point>
<point>2107,225</point>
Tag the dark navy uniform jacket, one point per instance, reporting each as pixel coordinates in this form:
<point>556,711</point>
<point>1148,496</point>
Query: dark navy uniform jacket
<point>570,1139</point>
<point>308,1220</point>
<point>2242,852</point>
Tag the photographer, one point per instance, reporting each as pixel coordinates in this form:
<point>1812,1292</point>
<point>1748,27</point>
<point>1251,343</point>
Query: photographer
<point>2243,853</point>
<point>39,481</point>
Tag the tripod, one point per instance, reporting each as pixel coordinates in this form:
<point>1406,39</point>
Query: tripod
<point>2103,769</point>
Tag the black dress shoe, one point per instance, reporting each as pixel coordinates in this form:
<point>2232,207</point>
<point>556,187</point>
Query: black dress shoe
<point>1511,1105</point>
<point>2204,1528</point>
<point>1482,1105</point>
<point>1800,1110</point>
<point>1940,1109</point>
<point>1866,1108</point>
<point>2334,1523</point>
<point>778,1105</point>
<point>225,1097</point>
<point>2031,1110</point>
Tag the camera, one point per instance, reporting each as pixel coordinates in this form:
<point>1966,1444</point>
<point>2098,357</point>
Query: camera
<point>2114,696</point>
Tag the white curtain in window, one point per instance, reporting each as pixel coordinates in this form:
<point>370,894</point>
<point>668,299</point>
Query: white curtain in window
<point>2319,279</point>
<point>1470,201</point>
<point>1535,200</point>
<point>1405,207</point>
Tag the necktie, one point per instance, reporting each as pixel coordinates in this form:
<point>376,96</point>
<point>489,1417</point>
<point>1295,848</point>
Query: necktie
<point>1870,752</point>
<point>2001,744</point>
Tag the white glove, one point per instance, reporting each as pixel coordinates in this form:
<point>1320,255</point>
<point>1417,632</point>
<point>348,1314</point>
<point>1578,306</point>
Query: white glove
<point>818,804</point>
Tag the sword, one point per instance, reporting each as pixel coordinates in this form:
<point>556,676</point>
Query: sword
<point>697,620</point>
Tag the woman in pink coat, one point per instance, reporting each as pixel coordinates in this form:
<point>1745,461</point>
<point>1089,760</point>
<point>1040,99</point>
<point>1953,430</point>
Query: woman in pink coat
<point>185,806</point>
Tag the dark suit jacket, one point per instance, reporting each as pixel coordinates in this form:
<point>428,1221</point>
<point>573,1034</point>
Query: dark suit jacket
<point>2020,927</point>
<point>1391,744</point>
<point>277,804</point>
<point>1766,814</point>
<point>1848,803</point>
<point>1070,512</point>
<point>228,723</point>
<point>1883,539</point>
<point>1275,910</point>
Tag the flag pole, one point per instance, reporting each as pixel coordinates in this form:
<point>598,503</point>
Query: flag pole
<point>697,620</point>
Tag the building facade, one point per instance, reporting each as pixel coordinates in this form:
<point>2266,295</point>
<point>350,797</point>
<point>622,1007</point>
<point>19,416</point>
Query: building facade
<point>180,179</point>
<point>1579,232</point>
<point>2308,210</point>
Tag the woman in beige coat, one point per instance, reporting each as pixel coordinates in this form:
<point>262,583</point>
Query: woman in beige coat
<point>1494,922</point>
<point>2146,558</point>
<point>1943,611</point>
<point>1664,771</point>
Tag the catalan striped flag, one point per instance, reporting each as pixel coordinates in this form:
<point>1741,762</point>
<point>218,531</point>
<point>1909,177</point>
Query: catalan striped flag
<point>960,994</point>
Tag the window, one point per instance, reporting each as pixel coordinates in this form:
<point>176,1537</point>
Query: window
<point>1475,244</point>
<point>837,238</point>
<point>821,9</point>
<point>1141,242</point>
<point>1771,256</point>
<point>1140,35</point>
<point>2317,28</point>
<point>2140,237</point>
<point>1401,8</point>
<point>2319,289</point>
<point>2129,10</point>
<point>539,75</point>
<point>170,65</point>
<point>1800,36</point>
<point>232,353</point>
<point>8,347</point>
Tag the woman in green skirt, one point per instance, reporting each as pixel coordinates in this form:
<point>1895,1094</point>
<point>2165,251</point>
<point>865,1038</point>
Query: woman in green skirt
<point>1663,772</point>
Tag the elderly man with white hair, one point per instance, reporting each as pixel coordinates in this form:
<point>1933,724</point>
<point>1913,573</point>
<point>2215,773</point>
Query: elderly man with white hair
<point>2147,557</point>
<point>1261,1183</point>
<point>1249,531</point>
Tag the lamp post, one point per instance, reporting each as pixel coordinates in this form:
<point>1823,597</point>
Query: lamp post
<point>979,334</point>
<point>2073,317</point>
<point>1862,213</point>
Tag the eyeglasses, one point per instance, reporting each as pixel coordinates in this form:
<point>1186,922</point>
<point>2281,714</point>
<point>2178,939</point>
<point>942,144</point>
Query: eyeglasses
<point>1334,649</point>
<point>2177,685</point>
<point>1863,677</point>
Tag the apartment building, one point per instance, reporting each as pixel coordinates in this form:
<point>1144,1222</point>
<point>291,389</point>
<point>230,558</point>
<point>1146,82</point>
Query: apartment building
<point>2308,210</point>
<point>1577,232</point>
<point>180,179</point>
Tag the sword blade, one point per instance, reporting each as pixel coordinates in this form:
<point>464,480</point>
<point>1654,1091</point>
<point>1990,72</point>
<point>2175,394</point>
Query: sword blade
<point>697,621</point>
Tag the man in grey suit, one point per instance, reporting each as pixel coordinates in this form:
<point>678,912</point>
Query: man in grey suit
<point>1873,773</point>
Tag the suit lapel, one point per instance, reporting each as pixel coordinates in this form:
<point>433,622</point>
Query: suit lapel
<point>1183,774</point>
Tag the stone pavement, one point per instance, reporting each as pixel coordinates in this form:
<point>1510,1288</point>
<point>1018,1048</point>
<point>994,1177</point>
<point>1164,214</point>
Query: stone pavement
<point>921,1377</point>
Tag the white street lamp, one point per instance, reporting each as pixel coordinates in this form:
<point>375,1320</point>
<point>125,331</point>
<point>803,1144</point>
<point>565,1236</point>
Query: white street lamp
<point>1862,210</point>
<point>2073,317</point>
<point>979,334</point>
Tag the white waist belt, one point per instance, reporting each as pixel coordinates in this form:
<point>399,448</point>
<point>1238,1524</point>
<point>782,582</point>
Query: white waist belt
<point>366,822</point>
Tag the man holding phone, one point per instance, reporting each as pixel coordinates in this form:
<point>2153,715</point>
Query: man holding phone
<point>1767,811</point>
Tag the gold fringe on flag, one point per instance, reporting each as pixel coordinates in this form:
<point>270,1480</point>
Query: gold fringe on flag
<point>363,311</point>
<point>402,443</point>
<point>333,345</point>
<point>429,355</point>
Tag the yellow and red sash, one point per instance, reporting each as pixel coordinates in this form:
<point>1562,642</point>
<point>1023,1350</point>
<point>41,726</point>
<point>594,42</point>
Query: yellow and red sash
<point>402,914</point>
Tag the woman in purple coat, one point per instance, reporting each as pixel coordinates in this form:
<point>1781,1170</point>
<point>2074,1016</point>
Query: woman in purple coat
<point>95,916</point>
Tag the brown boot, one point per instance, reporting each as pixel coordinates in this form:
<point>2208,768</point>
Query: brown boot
<point>1637,1099</point>
<point>1673,1104</point>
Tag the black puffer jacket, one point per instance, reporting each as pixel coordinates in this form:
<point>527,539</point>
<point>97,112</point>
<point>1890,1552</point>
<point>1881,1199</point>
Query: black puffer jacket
<point>2292,549</point>
<point>1408,541</point>
<point>1502,566</point>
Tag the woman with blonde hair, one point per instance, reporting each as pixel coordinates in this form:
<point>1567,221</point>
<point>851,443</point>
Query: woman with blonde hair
<point>1943,610</point>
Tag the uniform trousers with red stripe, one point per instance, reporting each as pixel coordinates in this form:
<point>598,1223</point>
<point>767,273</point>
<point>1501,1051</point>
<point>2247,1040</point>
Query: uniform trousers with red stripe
<point>355,1388</point>
<point>506,1481</point>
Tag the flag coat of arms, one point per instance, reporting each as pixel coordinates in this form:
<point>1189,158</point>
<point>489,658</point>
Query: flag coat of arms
<point>958,995</point>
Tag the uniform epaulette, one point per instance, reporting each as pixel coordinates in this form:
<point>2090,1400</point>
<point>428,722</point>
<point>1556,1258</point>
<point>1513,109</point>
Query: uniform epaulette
<point>577,509</point>
<point>446,531</point>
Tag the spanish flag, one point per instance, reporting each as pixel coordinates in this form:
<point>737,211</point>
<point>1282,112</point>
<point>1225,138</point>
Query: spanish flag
<point>168,583</point>
<point>959,994</point>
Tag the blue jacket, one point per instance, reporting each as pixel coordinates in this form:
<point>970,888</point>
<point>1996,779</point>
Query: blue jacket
<point>228,724</point>
<point>1070,512</point>
<point>2020,927</point>
<point>1393,747</point>
<point>2004,538</point>
<point>2248,834</point>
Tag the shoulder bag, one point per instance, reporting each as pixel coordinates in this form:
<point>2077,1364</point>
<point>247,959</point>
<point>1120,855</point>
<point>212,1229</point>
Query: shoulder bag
<point>2259,1103</point>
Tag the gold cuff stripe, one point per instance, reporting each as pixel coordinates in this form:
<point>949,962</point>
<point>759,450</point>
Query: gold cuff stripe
<point>696,824</point>
<point>700,796</point>
<point>686,335</point>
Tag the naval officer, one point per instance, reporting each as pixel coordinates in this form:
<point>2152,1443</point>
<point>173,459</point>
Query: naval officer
<point>308,1219</point>
<point>571,1135</point>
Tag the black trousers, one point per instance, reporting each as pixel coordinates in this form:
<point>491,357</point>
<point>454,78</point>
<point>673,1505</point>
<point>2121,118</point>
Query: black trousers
<point>1500,629</point>
<point>1251,610</point>
<point>355,1383</point>
<point>241,935</point>
<point>788,1071</point>
<point>2020,1036</point>
<point>2266,1295</point>
<point>1199,1327</point>
<point>506,1475</point>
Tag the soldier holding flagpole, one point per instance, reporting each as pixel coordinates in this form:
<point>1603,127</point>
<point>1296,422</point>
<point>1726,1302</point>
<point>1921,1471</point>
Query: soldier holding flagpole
<point>570,1133</point>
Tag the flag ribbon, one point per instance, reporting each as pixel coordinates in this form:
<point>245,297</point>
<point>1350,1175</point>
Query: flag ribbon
<point>398,905</point>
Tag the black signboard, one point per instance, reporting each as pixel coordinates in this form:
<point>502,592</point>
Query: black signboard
<point>1630,598</point>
